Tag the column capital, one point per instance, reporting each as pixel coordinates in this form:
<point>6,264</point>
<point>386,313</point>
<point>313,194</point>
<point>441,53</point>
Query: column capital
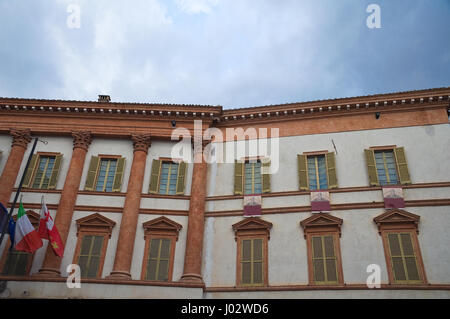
<point>141,142</point>
<point>21,137</point>
<point>81,139</point>
<point>199,144</point>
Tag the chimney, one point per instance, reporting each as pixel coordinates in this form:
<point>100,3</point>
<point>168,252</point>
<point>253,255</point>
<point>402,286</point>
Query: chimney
<point>104,98</point>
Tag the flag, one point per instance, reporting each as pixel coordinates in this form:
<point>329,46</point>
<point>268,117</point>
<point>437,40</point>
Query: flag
<point>252,205</point>
<point>320,201</point>
<point>47,230</point>
<point>10,228</point>
<point>12,232</point>
<point>26,237</point>
<point>3,218</point>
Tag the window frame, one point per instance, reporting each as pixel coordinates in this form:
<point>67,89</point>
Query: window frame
<point>323,224</point>
<point>35,169</point>
<point>390,148</point>
<point>171,162</point>
<point>100,158</point>
<point>93,225</point>
<point>160,228</point>
<point>397,221</point>
<point>253,162</point>
<point>252,228</point>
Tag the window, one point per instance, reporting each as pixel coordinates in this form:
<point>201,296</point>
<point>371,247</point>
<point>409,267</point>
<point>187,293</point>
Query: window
<point>158,259</point>
<point>18,263</point>
<point>167,177</point>
<point>42,173</point>
<point>89,257</point>
<point>386,170</point>
<point>398,230</point>
<point>252,235</point>
<point>93,234</point>
<point>317,170</point>
<point>161,235</point>
<point>324,260</point>
<point>322,232</point>
<point>252,176</point>
<point>387,165</point>
<point>252,261</point>
<point>105,173</point>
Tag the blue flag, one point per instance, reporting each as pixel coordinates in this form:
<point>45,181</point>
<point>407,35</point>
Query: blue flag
<point>10,228</point>
<point>12,232</point>
<point>3,218</point>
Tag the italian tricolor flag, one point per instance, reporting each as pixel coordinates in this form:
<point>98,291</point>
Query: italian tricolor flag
<point>26,237</point>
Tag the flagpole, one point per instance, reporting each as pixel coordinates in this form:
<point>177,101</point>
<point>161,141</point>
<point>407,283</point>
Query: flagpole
<point>4,226</point>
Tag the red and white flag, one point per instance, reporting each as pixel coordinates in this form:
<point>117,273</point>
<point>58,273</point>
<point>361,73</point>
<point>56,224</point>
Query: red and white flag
<point>47,230</point>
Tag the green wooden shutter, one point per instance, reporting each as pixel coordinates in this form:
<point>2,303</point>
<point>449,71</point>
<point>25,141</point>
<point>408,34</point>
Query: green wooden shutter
<point>302,172</point>
<point>181,178</point>
<point>331,170</point>
<point>402,166</point>
<point>55,172</point>
<point>265,176</point>
<point>118,176</point>
<point>154,178</point>
<point>34,161</point>
<point>92,173</point>
<point>239,177</point>
<point>371,168</point>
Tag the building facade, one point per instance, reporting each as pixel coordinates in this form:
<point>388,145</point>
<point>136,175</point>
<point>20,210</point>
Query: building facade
<point>143,223</point>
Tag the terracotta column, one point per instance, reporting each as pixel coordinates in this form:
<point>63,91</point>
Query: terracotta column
<point>63,218</point>
<point>21,138</point>
<point>196,221</point>
<point>130,214</point>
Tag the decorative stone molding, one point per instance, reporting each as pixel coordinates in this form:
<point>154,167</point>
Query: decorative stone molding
<point>141,142</point>
<point>252,226</point>
<point>321,222</point>
<point>81,139</point>
<point>95,223</point>
<point>397,219</point>
<point>21,137</point>
<point>161,226</point>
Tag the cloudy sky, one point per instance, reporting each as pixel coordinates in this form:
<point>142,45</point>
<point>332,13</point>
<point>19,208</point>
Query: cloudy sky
<point>234,53</point>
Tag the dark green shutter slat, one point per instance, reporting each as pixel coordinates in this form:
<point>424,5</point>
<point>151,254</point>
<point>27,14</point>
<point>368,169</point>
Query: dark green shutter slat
<point>402,166</point>
<point>118,176</point>
<point>92,173</point>
<point>154,177</point>
<point>55,172</point>
<point>302,172</point>
<point>181,178</point>
<point>238,177</point>
<point>371,168</point>
<point>331,170</point>
<point>27,180</point>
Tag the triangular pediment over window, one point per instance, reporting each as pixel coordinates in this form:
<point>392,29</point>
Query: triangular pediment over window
<point>162,226</point>
<point>397,218</point>
<point>252,226</point>
<point>321,222</point>
<point>95,223</point>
